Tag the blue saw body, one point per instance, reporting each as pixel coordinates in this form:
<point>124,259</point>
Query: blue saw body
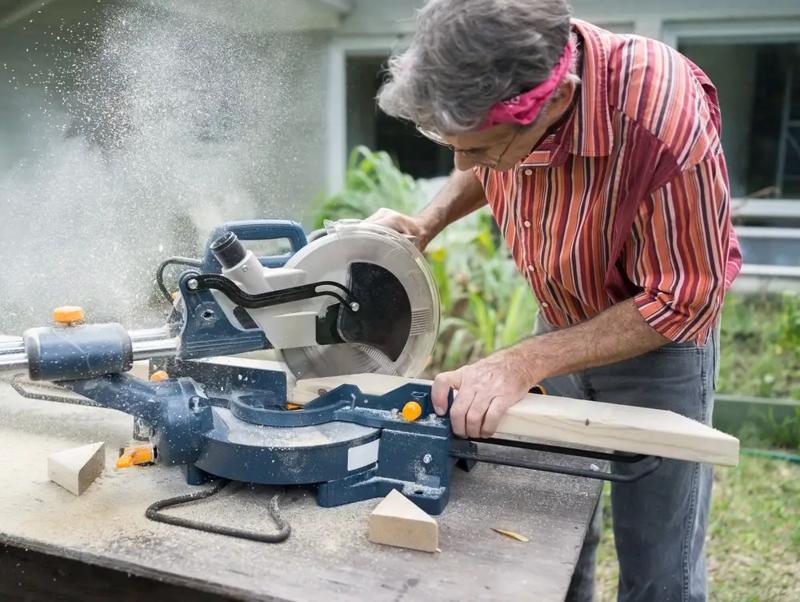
<point>235,422</point>
<point>232,422</point>
<point>350,445</point>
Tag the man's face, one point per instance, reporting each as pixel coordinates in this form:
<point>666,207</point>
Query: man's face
<point>492,148</point>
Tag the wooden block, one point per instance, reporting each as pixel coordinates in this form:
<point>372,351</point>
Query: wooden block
<point>140,369</point>
<point>77,468</point>
<point>397,521</point>
<point>576,422</point>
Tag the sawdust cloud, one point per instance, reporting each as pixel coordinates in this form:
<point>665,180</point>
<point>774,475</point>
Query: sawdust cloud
<point>154,126</point>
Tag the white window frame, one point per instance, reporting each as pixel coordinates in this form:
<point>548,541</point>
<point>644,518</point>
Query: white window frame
<point>341,48</point>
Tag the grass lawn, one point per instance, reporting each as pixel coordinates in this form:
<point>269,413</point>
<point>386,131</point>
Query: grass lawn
<point>754,540</point>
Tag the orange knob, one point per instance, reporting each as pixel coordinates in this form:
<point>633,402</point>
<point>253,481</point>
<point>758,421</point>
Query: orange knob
<point>67,315</point>
<point>412,410</point>
<point>136,456</point>
<point>158,376</point>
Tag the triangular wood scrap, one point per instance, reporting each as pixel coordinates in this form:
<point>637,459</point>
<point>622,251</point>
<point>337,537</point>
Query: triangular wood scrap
<point>77,468</point>
<point>397,521</point>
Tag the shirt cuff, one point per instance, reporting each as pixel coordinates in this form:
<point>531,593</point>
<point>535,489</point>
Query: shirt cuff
<point>673,320</point>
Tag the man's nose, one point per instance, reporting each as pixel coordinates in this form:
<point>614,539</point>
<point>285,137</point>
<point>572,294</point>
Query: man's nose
<point>463,161</point>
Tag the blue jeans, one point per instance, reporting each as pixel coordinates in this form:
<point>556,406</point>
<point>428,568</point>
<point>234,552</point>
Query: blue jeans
<point>660,520</point>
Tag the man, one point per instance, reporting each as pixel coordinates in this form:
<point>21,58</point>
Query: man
<point>600,158</point>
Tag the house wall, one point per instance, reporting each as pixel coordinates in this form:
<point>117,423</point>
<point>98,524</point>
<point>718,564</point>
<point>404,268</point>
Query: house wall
<point>393,17</point>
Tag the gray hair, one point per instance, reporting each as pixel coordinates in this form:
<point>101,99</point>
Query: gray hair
<point>467,55</point>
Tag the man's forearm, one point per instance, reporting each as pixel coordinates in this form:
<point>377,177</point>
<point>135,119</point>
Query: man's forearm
<point>616,334</point>
<point>486,389</point>
<point>461,195</point>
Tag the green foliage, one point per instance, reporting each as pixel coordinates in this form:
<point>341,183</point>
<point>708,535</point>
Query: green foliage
<point>486,304</point>
<point>783,433</point>
<point>766,430</point>
<point>761,346</point>
<point>789,328</point>
<point>372,181</point>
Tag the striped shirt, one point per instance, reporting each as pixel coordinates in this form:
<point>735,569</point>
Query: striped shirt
<point>629,198</point>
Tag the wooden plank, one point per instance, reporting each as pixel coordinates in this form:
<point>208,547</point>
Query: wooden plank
<point>575,422</point>
<point>308,389</point>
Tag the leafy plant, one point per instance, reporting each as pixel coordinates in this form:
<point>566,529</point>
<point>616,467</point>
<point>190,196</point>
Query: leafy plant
<point>789,327</point>
<point>371,181</point>
<point>486,303</point>
<point>784,433</point>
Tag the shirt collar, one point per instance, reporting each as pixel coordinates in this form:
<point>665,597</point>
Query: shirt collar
<point>588,130</point>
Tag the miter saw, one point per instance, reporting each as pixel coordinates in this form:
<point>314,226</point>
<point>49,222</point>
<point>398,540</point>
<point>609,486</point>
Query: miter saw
<point>357,298</point>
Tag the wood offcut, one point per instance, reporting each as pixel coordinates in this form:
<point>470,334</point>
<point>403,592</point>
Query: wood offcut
<point>77,468</point>
<point>397,521</point>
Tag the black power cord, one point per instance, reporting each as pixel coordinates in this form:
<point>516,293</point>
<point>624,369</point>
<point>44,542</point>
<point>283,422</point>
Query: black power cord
<point>184,261</point>
<point>277,297</point>
<point>154,513</point>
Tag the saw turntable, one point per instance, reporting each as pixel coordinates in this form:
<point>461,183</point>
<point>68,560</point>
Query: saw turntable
<point>357,298</point>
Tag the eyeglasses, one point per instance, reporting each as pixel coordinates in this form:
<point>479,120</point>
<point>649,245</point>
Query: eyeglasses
<point>472,154</point>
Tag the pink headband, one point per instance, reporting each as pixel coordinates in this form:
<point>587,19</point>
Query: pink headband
<point>523,108</point>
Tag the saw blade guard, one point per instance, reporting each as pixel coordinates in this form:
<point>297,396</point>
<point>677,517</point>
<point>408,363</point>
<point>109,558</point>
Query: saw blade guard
<point>395,281</point>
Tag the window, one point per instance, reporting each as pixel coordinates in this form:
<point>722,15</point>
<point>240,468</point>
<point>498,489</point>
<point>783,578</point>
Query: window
<point>759,90</point>
<point>366,124</point>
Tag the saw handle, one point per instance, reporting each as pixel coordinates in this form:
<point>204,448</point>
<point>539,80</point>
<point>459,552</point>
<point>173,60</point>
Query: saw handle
<point>256,230</point>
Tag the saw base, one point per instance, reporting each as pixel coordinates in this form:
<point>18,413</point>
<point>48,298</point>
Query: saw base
<point>350,445</point>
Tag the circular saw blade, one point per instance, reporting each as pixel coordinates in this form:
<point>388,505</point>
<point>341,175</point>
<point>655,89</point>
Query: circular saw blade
<point>330,257</point>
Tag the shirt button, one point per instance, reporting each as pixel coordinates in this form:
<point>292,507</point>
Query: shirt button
<point>528,172</point>
<point>545,305</point>
<point>526,223</point>
<point>530,268</point>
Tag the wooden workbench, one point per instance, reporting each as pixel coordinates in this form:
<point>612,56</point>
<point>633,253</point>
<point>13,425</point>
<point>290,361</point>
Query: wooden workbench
<point>57,546</point>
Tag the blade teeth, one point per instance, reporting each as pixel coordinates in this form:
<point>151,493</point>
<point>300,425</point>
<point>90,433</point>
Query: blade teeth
<point>421,321</point>
<point>378,360</point>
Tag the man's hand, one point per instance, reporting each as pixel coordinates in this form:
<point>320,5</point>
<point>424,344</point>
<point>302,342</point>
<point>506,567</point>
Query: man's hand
<point>484,391</point>
<point>461,194</point>
<point>404,224</point>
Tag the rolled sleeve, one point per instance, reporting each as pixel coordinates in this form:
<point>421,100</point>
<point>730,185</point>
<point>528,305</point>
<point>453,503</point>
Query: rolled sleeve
<point>681,238</point>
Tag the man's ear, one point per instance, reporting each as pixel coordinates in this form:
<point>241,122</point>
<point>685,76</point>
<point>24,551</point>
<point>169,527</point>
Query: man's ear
<point>562,99</point>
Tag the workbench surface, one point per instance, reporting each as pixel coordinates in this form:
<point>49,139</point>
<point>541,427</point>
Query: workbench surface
<point>328,553</point>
